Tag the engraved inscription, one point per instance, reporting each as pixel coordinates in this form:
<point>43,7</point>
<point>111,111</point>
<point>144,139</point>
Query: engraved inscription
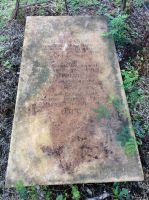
<point>69,101</point>
<point>71,117</point>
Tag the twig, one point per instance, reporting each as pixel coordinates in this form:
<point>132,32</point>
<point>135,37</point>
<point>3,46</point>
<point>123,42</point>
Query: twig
<point>66,6</point>
<point>16,11</point>
<point>123,5</point>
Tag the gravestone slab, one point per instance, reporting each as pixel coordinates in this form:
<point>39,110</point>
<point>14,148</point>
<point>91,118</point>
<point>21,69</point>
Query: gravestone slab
<point>71,123</point>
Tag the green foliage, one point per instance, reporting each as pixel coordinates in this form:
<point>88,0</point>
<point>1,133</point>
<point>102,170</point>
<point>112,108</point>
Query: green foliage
<point>146,128</point>
<point>111,99</point>
<point>29,2</point>
<point>119,193</point>
<point>7,64</point>
<point>75,192</point>
<point>102,8</point>
<point>33,193</point>
<point>118,28</point>
<point>131,146</point>
<point>41,12</point>
<point>30,193</point>
<point>60,197</point>
<point>137,3</point>
<point>117,2</point>
<point>3,38</point>
<point>21,15</point>
<point>22,191</point>
<point>76,3</point>
<point>47,193</point>
<point>103,112</point>
<point>59,6</point>
<point>87,2</point>
<point>119,106</point>
<point>139,130</point>
<point>6,10</point>
<point>129,77</point>
<point>3,48</point>
<point>123,135</point>
<point>124,193</point>
<point>136,95</point>
<point>115,191</point>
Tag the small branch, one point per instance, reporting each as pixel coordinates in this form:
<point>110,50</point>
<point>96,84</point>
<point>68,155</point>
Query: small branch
<point>16,11</point>
<point>66,6</point>
<point>123,5</point>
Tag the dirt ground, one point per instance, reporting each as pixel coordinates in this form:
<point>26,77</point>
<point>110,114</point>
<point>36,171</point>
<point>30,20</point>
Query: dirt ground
<point>14,30</point>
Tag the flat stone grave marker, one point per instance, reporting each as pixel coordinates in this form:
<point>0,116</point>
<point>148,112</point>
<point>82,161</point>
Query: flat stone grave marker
<point>71,123</point>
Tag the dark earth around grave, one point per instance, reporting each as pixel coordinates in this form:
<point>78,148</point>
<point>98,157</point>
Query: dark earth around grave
<point>134,53</point>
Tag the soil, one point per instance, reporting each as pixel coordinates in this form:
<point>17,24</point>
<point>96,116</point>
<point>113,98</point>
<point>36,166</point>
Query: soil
<point>14,30</point>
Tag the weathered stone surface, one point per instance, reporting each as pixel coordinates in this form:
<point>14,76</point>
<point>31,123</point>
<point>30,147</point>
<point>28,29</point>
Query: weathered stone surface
<point>71,121</point>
